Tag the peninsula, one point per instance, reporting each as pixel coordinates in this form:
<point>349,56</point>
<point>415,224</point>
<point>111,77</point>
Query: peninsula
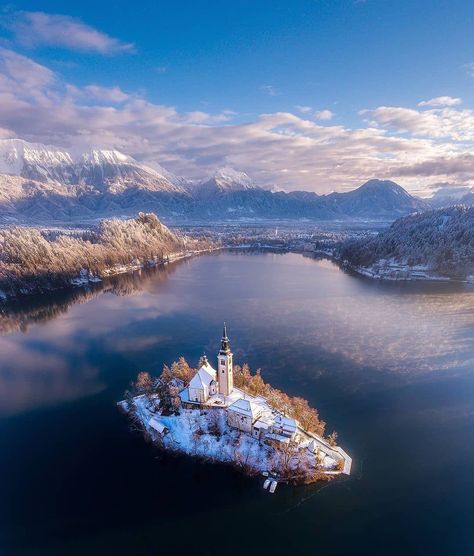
<point>226,414</point>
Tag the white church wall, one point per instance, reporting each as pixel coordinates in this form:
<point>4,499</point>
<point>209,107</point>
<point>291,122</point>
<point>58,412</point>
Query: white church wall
<point>197,394</point>
<point>239,421</point>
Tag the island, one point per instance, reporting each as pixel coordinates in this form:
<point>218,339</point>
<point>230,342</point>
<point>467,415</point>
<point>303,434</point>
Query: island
<point>229,415</point>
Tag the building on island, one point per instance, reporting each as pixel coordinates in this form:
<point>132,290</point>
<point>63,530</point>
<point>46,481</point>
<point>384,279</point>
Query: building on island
<point>211,388</point>
<point>208,383</point>
<point>203,384</point>
<point>243,414</point>
<point>224,366</point>
<point>251,414</point>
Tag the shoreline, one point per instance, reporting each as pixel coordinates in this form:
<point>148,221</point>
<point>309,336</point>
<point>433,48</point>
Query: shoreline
<point>411,274</point>
<point>176,434</point>
<point>85,278</point>
<point>414,274</point>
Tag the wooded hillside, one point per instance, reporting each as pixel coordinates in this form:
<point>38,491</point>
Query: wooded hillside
<point>35,260</point>
<point>442,240</point>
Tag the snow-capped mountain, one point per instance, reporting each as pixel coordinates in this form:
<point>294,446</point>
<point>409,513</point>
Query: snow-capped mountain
<point>98,168</point>
<point>34,160</point>
<point>224,180</point>
<point>381,197</point>
<point>46,184</point>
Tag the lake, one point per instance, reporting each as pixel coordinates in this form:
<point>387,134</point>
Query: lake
<point>390,366</point>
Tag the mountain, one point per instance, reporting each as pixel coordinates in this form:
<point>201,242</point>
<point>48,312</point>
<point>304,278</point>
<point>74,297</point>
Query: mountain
<point>100,169</point>
<point>223,181</point>
<point>377,197</point>
<point>439,241</point>
<point>44,184</point>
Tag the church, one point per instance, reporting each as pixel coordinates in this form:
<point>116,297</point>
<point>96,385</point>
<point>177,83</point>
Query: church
<point>212,387</point>
<point>208,382</point>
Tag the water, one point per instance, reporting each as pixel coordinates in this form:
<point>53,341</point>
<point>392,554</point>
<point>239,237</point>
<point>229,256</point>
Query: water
<point>390,367</point>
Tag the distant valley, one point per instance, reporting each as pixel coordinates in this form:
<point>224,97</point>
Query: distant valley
<point>46,185</point>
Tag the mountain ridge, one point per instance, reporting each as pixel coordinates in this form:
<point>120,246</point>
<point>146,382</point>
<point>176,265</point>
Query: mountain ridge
<point>44,183</point>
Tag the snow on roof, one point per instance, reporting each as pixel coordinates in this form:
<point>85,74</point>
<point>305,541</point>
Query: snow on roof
<point>261,424</point>
<point>313,446</point>
<point>246,407</point>
<point>205,375</point>
<point>156,424</point>
<point>278,438</point>
<point>286,423</point>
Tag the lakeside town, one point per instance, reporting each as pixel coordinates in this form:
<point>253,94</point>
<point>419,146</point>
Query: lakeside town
<point>249,424</point>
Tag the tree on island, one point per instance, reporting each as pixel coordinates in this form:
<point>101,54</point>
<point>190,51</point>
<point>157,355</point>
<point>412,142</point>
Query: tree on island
<point>295,407</point>
<point>173,379</point>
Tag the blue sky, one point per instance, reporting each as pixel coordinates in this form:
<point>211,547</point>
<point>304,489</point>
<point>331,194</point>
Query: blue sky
<point>315,95</point>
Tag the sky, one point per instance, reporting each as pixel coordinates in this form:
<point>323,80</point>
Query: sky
<point>315,95</point>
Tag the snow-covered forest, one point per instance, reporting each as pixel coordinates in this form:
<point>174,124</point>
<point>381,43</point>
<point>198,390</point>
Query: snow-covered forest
<point>441,240</point>
<point>34,260</point>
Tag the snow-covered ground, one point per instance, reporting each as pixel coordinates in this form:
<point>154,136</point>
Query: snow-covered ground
<point>205,433</point>
<point>393,270</point>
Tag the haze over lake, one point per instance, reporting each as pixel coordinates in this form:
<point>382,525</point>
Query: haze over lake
<point>390,366</point>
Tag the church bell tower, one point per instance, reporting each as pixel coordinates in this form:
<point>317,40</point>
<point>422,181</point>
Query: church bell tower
<point>224,366</point>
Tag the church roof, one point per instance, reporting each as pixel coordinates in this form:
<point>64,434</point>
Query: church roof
<point>286,423</point>
<point>246,407</point>
<point>205,375</point>
<point>225,344</point>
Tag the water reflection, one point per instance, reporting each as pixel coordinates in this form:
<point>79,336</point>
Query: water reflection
<point>18,314</point>
<point>390,366</point>
<point>331,324</point>
<point>53,363</point>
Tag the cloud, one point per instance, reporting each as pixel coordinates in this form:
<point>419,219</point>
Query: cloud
<point>441,101</point>
<point>470,69</point>
<point>283,149</point>
<point>270,90</point>
<point>460,166</point>
<point>449,122</point>
<point>32,29</point>
<point>113,95</point>
<point>323,115</point>
<point>303,109</point>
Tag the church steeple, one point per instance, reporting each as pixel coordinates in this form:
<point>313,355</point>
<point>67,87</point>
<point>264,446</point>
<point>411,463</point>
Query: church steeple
<point>224,365</point>
<point>225,344</point>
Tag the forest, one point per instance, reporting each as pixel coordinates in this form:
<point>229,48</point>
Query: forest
<point>33,260</point>
<point>441,240</point>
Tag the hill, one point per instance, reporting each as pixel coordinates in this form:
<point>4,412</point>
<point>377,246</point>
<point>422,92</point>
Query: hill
<point>438,242</point>
<point>33,261</point>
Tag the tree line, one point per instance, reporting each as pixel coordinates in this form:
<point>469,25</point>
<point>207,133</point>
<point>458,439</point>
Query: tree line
<point>442,240</point>
<point>35,260</point>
